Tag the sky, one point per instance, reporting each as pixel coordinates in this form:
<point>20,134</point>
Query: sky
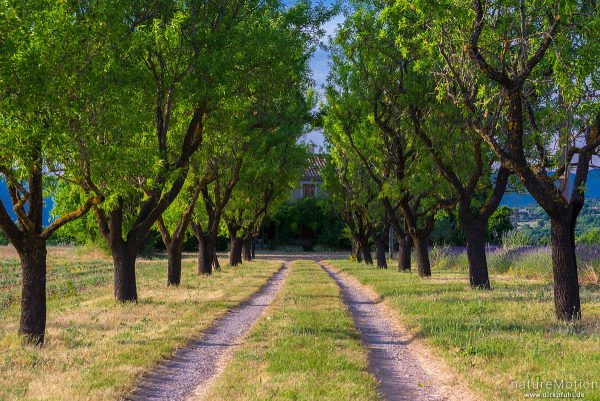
<point>319,66</point>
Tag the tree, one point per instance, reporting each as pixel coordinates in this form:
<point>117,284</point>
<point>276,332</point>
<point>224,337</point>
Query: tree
<point>266,182</point>
<point>499,224</point>
<point>186,54</point>
<point>373,99</point>
<point>53,59</point>
<point>174,222</point>
<point>272,97</point>
<point>543,68</point>
<point>355,193</point>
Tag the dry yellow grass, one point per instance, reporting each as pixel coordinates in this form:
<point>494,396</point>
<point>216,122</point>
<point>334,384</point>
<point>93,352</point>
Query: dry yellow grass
<point>96,348</point>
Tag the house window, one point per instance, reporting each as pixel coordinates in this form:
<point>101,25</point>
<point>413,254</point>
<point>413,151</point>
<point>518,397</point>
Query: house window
<point>309,190</point>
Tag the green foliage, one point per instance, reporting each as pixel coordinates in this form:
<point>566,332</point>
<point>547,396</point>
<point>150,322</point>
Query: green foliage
<point>516,239</point>
<point>533,219</point>
<point>591,237</point>
<point>499,224</point>
<point>315,214</point>
<point>447,230</point>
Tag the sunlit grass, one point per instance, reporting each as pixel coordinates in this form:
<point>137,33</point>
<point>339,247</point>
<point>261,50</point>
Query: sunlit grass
<point>95,348</point>
<point>305,348</point>
<point>494,338</point>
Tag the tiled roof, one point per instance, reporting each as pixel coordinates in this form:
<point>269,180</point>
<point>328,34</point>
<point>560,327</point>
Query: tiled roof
<point>313,171</point>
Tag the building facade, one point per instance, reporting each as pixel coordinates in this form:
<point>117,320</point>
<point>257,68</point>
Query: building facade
<point>311,183</point>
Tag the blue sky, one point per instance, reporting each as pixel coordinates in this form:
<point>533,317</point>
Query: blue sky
<point>320,65</point>
<point>320,69</point>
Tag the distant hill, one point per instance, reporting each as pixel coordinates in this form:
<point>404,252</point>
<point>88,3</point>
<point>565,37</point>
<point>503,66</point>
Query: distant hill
<point>513,200</point>
<point>5,198</point>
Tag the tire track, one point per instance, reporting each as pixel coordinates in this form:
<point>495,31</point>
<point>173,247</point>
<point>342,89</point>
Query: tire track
<point>400,376</point>
<point>196,365</point>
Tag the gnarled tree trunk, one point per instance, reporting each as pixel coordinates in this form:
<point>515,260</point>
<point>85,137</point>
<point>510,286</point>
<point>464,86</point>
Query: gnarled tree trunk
<point>33,301</point>
<point>356,250</point>
<point>380,253</point>
<point>564,268</point>
<point>174,255</point>
<point>124,256</point>
<point>421,243</point>
<point>405,245</point>
<point>366,251</point>
<point>235,251</point>
<point>247,249</point>
<point>205,256</point>
<point>478,268</point>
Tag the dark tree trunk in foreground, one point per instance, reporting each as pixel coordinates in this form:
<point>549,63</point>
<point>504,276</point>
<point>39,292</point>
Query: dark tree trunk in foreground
<point>564,268</point>
<point>405,246</point>
<point>174,255</point>
<point>124,258</point>
<point>421,243</point>
<point>247,249</point>
<point>380,253</point>
<point>205,255</point>
<point>356,250</point>
<point>33,302</point>
<point>235,251</point>
<point>366,251</point>
<point>29,238</point>
<point>478,268</point>
<point>381,241</point>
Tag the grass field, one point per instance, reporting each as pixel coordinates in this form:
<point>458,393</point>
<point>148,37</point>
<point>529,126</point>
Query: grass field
<point>95,348</point>
<point>305,348</point>
<point>497,338</point>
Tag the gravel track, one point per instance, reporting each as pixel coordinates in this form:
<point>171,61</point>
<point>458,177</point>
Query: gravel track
<point>199,362</point>
<point>398,372</point>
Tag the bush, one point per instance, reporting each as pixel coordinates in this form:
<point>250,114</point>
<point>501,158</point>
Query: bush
<point>439,257</point>
<point>516,239</point>
<point>591,237</point>
<point>311,222</point>
<point>500,261</point>
<point>499,224</point>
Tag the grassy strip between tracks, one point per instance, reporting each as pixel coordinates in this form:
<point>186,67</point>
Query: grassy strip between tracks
<point>304,348</point>
<point>96,348</point>
<point>505,342</point>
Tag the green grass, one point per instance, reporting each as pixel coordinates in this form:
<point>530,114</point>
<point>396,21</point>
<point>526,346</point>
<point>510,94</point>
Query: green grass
<point>494,338</point>
<point>304,348</point>
<point>95,348</point>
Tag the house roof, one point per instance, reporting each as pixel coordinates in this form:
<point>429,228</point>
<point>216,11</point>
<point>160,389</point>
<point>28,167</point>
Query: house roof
<point>315,166</point>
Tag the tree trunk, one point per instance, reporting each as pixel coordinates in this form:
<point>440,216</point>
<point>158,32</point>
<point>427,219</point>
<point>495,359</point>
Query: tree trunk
<point>33,302</point>
<point>235,253</point>
<point>359,253</point>
<point>247,250</point>
<point>356,250</point>
<point>124,257</point>
<point>405,246</point>
<point>366,251</point>
<point>478,268</point>
<point>174,253</point>
<point>564,267</point>
<point>253,255</point>
<point>216,264</point>
<point>380,253</point>
<point>421,244</point>
<point>205,256</point>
